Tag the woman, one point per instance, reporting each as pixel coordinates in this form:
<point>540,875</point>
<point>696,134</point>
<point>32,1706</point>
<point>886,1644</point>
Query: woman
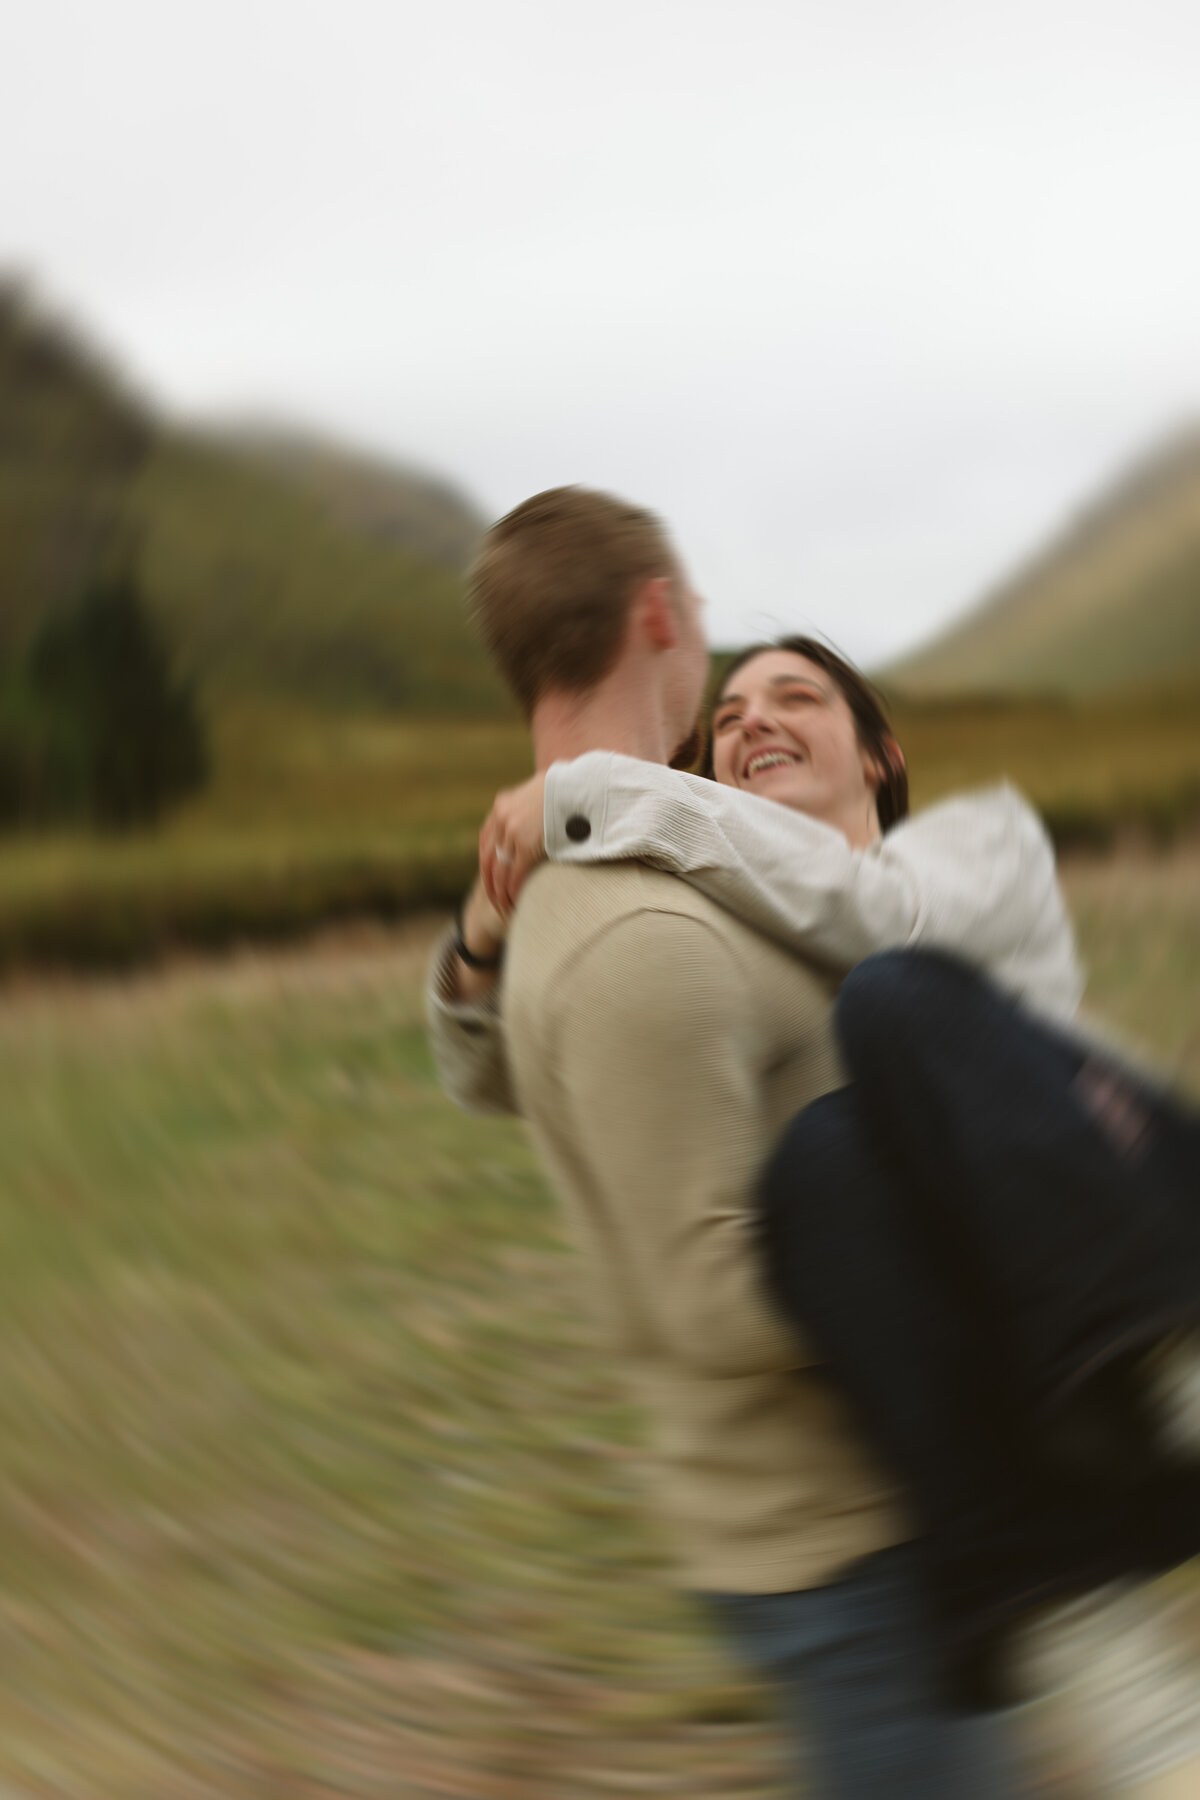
<point>791,837</point>
<point>829,875</point>
<point>834,868</point>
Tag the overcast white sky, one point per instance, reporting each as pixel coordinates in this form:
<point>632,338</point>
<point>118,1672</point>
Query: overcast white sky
<point>863,295</point>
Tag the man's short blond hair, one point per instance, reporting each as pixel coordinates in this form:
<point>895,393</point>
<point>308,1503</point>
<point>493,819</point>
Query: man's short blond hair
<point>551,588</point>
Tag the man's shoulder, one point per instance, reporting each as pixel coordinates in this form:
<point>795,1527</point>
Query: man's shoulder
<point>566,906</point>
<point>569,911</point>
<point>623,964</point>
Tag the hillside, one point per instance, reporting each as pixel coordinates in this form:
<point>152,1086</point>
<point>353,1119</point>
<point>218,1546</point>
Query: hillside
<point>356,734</point>
<point>1112,603</point>
<point>282,569</point>
<point>267,593</point>
<point>396,505</point>
<point>73,437</point>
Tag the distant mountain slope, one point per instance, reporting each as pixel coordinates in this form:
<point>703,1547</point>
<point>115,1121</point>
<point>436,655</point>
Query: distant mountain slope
<point>266,592</point>
<point>72,438</point>
<point>1114,602</point>
<point>280,567</point>
<point>401,506</point>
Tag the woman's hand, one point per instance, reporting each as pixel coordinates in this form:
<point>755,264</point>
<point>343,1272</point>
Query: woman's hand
<point>512,841</point>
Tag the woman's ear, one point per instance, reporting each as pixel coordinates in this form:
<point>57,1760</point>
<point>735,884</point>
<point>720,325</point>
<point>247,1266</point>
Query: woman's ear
<point>885,762</point>
<point>893,756</point>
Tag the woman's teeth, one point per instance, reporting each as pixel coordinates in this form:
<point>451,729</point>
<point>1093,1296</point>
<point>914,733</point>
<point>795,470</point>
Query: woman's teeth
<point>769,759</point>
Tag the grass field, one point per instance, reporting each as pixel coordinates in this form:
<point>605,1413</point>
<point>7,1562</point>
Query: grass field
<point>312,1482</point>
<point>319,816</point>
<point>1097,770</point>
<point>310,818</point>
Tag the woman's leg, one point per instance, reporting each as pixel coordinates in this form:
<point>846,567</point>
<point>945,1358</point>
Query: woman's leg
<point>987,1118</point>
<point>845,1264</point>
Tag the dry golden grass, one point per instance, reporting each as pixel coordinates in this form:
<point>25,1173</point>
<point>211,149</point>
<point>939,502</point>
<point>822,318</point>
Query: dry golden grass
<point>315,817</point>
<point>1138,917</point>
<point>1093,769</point>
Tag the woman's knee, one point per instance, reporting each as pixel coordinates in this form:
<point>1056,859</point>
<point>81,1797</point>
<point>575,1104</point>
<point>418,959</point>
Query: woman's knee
<point>886,995</point>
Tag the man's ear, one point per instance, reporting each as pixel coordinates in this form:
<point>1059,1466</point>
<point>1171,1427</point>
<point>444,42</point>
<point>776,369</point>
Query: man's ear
<point>658,613</point>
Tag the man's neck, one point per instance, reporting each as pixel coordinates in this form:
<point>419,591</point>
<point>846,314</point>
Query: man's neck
<point>606,718</point>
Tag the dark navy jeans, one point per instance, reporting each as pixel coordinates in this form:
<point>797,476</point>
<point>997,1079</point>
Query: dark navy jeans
<point>977,1260</point>
<point>983,1113</point>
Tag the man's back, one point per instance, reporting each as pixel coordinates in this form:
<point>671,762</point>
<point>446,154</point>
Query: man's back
<point>657,1048</point>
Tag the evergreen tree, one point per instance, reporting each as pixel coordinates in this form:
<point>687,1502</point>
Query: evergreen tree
<point>108,733</point>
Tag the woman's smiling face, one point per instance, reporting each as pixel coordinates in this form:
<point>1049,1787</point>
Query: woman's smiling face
<point>782,728</point>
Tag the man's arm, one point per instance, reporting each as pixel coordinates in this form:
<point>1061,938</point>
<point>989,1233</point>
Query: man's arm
<point>462,1008</point>
<point>659,1061</point>
<point>974,874</point>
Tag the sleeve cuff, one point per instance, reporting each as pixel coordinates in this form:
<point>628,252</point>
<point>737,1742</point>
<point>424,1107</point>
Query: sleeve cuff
<point>576,807</point>
<point>443,985</point>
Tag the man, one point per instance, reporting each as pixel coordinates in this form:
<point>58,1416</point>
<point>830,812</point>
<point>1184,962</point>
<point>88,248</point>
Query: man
<point>656,1047</point>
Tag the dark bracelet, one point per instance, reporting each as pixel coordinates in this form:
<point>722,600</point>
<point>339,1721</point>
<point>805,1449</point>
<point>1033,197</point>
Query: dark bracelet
<point>468,956</point>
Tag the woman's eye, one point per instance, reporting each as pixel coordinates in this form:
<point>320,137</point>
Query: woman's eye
<point>725,720</point>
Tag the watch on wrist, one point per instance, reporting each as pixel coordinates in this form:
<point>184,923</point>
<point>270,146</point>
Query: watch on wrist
<point>465,954</point>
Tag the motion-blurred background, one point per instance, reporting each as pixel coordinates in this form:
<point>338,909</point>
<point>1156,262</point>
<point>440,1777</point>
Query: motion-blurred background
<point>308,1476</point>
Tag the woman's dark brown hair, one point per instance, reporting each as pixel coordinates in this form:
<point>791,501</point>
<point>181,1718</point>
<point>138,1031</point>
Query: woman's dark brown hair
<point>870,719</point>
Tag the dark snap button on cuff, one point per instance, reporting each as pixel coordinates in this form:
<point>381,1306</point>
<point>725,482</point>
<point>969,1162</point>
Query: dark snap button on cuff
<point>578,829</point>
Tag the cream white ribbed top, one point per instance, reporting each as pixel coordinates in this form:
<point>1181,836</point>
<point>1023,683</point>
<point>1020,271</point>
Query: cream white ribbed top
<point>974,874</point>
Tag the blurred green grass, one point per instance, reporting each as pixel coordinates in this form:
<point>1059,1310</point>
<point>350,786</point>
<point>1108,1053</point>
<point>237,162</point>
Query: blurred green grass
<point>312,1481</point>
<point>301,1439</point>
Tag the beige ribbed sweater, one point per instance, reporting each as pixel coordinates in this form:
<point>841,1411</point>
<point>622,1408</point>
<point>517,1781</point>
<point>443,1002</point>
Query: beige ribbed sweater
<point>656,1048</point>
